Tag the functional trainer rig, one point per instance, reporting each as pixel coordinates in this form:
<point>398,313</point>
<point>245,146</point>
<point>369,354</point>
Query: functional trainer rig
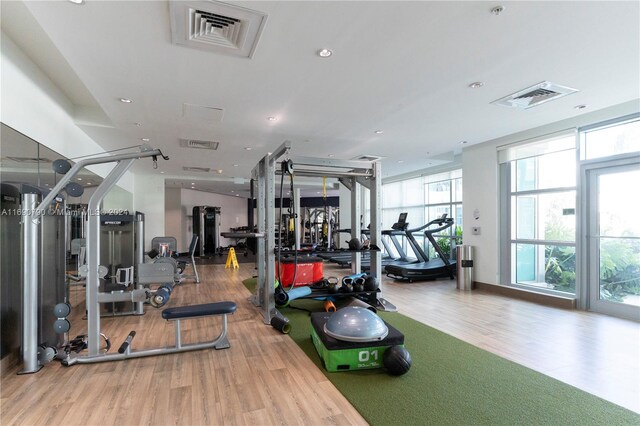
<point>353,174</point>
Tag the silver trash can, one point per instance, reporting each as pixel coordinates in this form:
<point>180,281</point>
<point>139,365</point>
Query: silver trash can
<point>464,267</point>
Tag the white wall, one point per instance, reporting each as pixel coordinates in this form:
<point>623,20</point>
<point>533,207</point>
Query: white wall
<point>481,191</point>
<point>173,222</point>
<point>116,199</point>
<point>233,212</point>
<point>148,198</point>
<point>33,105</point>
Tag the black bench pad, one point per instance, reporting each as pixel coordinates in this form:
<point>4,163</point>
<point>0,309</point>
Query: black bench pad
<point>218,308</point>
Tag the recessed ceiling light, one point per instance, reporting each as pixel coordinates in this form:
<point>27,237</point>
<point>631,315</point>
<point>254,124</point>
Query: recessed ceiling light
<point>271,118</point>
<point>325,53</point>
<point>76,1</point>
<point>79,178</point>
<point>161,173</point>
<point>233,190</point>
<point>193,183</point>
<point>476,85</point>
<point>497,10</point>
<point>145,139</point>
<point>331,155</point>
<point>126,100</point>
<point>580,106</point>
<point>378,132</point>
<point>400,161</point>
<point>219,171</point>
<point>247,148</point>
<point>235,165</point>
<point>237,195</point>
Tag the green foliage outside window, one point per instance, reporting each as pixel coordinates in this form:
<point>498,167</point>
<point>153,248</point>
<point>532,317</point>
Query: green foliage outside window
<point>619,270</point>
<point>560,268</point>
<point>445,242</point>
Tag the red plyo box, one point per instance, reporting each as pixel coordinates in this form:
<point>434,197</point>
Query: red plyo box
<point>309,271</point>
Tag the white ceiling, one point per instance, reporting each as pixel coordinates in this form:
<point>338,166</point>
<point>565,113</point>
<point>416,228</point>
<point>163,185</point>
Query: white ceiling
<point>401,67</point>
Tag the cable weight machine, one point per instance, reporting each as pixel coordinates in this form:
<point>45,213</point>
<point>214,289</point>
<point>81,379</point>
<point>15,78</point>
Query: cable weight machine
<point>354,174</point>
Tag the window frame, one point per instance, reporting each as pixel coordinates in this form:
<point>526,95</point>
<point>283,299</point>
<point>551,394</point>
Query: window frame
<point>508,241</point>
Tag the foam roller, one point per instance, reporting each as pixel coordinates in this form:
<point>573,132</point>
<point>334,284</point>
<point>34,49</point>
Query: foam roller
<point>296,293</point>
<point>329,306</point>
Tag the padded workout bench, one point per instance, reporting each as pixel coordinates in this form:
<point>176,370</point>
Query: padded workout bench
<point>171,314</point>
<point>195,311</point>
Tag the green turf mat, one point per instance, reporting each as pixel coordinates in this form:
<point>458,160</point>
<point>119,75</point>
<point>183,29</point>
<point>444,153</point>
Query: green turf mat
<point>454,383</point>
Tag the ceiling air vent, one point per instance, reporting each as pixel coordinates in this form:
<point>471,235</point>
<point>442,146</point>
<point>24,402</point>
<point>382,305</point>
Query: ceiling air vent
<point>216,26</point>
<point>193,143</point>
<point>29,160</point>
<point>535,95</point>
<point>368,158</point>
<point>197,169</point>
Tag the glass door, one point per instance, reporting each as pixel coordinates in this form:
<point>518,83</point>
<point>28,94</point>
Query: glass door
<point>613,223</point>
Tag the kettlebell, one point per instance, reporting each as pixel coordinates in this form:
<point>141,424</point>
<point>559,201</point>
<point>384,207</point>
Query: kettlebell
<point>354,244</point>
<point>370,283</point>
<point>333,287</point>
<point>346,288</point>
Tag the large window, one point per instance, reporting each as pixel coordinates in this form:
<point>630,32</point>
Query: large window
<point>610,176</point>
<point>425,198</point>
<point>540,195</point>
<point>608,140</point>
<point>443,195</point>
<point>543,239</point>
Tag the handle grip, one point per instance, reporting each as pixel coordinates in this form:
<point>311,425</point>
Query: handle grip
<point>127,342</point>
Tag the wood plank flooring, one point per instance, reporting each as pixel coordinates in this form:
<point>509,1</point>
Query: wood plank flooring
<point>264,378</point>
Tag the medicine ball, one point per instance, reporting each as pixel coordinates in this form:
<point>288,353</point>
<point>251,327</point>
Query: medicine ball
<point>396,360</point>
<point>354,244</point>
<point>370,283</point>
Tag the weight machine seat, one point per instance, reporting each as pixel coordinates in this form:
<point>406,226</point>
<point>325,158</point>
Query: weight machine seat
<point>206,309</point>
<point>188,259</point>
<point>188,256</point>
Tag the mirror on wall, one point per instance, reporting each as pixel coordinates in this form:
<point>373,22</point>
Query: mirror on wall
<point>61,236</point>
<point>23,160</point>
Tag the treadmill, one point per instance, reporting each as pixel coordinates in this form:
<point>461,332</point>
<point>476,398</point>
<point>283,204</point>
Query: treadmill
<point>438,267</point>
<point>398,229</point>
<point>344,259</point>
